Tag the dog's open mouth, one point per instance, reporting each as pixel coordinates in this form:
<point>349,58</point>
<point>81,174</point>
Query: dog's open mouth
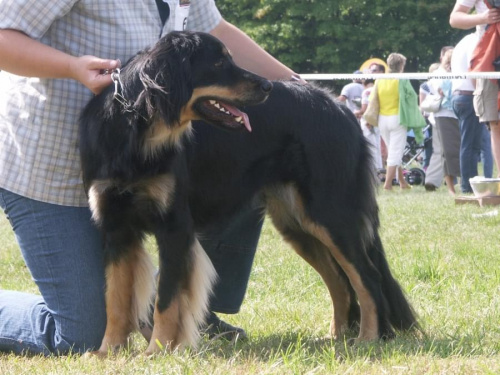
<point>223,114</point>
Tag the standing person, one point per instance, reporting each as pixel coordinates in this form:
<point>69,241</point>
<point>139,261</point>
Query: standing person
<point>485,91</point>
<point>423,91</point>
<point>52,55</point>
<point>380,68</point>
<point>351,95</point>
<point>398,113</point>
<point>462,103</point>
<point>371,133</point>
<point>434,171</point>
<point>447,124</point>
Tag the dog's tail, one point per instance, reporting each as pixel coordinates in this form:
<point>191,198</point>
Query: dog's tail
<point>400,313</point>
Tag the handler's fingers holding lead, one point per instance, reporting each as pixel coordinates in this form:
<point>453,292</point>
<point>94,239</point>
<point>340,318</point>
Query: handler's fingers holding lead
<point>93,72</point>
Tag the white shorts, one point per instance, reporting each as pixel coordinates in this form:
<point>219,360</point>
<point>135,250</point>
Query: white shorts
<point>394,136</point>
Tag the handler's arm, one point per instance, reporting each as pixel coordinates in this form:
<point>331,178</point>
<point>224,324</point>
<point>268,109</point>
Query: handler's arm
<point>24,56</point>
<point>460,18</point>
<point>250,55</point>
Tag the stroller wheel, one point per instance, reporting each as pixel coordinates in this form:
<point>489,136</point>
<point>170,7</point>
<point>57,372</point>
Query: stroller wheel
<point>415,176</point>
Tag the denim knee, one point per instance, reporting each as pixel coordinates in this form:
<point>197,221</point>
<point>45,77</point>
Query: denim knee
<point>85,335</point>
<point>28,326</point>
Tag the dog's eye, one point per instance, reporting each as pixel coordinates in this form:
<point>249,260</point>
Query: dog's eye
<point>219,64</point>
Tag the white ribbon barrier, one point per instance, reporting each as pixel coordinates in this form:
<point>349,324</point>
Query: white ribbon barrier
<point>418,76</point>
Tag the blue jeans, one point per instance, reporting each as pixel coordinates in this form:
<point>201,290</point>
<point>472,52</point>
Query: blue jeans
<point>63,252</point>
<point>471,131</point>
<point>231,246</point>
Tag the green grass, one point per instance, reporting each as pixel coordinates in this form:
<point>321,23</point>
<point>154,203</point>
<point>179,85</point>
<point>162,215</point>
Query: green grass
<point>446,259</point>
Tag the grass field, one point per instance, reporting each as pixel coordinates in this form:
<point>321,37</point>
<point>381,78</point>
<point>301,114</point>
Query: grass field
<point>446,257</point>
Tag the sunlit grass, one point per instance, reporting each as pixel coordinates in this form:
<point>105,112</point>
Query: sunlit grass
<point>446,259</point>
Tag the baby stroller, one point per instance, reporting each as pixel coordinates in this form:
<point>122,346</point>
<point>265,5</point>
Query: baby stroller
<point>413,160</point>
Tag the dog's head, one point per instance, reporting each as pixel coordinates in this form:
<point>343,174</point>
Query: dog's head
<point>192,76</point>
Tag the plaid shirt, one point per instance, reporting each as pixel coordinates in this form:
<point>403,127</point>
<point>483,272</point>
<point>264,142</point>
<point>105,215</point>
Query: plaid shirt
<point>39,155</point>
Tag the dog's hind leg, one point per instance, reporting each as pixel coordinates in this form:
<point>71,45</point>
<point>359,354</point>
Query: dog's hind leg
<point>345,306</point>
<point>288,220</point>
<point>364,279</point>
<point>345,245</point>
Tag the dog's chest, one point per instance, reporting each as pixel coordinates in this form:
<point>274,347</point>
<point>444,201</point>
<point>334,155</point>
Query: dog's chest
<point>161,135</point>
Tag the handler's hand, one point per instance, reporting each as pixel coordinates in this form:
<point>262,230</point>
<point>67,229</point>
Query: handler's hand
<point>92,72</point>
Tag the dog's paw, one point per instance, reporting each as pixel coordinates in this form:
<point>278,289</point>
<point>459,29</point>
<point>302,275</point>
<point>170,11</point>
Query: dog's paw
<point>95,354</point>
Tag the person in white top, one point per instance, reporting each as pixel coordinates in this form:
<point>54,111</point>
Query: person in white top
<point>434,174</point>
<point>462,103</point>
<point>486,93</point>
<point>351,95</point>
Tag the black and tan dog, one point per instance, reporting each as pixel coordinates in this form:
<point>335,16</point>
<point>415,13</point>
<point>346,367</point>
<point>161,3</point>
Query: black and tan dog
<point>307,164</point>
<point>135,174</point>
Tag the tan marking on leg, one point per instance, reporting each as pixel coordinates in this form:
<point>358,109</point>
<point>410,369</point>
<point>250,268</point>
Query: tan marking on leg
<point>288,203</point>
<point>166,328</point>
<point>179,324</point>
<point>369,319</point>
<point>337,288</point>
<point>119,290</point>
<point>286,211</point>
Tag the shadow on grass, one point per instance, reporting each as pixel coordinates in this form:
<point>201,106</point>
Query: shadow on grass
<point>292,346</point>
<point>301,345</point>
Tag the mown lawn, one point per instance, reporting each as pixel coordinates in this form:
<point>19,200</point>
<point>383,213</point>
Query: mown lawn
<point>445,256</point>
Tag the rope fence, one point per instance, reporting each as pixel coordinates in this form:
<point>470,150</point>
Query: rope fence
<point>417,76</point>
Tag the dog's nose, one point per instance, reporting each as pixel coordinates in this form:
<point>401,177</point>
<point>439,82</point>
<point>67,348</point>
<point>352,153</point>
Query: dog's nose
<point>266,86</point>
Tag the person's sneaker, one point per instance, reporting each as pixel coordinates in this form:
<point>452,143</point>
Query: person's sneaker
<point>216,328</point>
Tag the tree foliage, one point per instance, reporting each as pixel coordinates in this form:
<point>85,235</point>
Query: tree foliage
<point>329,36</point>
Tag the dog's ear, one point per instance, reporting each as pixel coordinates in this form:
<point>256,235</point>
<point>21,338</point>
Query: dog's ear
<point>166,78</point>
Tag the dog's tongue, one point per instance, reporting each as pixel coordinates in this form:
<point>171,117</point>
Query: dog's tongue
<point>237,113</point>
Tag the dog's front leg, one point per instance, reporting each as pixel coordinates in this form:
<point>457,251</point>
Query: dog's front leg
<point>123,251</point>
<point>184,286</point>
<point>119,287</point>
